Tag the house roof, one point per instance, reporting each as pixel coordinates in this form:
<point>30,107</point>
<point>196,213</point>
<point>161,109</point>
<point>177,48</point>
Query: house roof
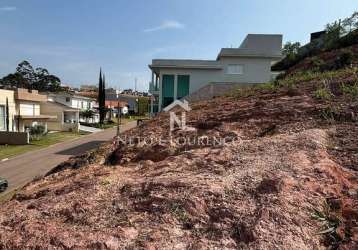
<point>185,63</point>
<point>237,52</point>
<point>65,107</point>
<point>114,104</point>
<point>256,45</point>
<point>71,95</point>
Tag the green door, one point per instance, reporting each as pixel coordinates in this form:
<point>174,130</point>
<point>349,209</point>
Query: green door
<point>183,86</point>
<point>168,90</point>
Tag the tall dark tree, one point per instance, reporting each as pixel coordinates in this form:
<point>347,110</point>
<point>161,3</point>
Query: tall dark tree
<point>28,74</point>
<point>101,98</point>
<point>7,113</point>
<point>26,77</point>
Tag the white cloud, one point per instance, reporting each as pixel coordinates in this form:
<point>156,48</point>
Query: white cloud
<point>171,24</point>
<point>8,8</point>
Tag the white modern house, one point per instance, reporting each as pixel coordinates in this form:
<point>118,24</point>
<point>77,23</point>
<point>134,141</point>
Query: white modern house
<point>72,101</point>
<point>66,108</point>
<point>174,79</point>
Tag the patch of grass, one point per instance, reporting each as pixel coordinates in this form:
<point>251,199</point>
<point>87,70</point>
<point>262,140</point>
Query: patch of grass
<point>105,182</point>
<point>350,90</point>
<point>292,83</point>
<point>328,114</point>
<point>243,91</point>
<point>329,223</point>
<point>269,86</point>
<point>45,141</point>
<point>178,211</point>
<point>306,76</point>
<point>322,94</point>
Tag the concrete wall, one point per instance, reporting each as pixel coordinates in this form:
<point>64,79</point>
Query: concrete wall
<point>265,43</point>
<point>14,138</point>
<point>12,107</point>
<point>29,95</point>
<point>212,90</point>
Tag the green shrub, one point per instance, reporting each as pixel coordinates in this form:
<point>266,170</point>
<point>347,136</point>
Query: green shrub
<point>314,48</point>
<point>350,90</point>
<point>36,132</point>
<point>345,59</point>
<point>143,105</point>
<point>323,94</point>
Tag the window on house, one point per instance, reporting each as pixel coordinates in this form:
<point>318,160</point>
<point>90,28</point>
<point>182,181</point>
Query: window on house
<point>68,99</point>
<point>235,69</point>
<point>2,118</point>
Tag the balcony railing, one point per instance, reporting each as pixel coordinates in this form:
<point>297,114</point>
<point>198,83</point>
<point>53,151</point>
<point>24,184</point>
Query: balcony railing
<point>153,88</point>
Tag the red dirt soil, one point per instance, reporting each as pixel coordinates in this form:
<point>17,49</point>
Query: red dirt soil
<point>258,191</point>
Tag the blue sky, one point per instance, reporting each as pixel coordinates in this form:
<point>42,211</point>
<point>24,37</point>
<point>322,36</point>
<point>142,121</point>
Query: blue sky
<point>73,38</point>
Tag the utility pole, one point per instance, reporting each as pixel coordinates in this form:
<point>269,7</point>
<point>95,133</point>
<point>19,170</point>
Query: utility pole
<point>118,113</point>
<point>135,85</point>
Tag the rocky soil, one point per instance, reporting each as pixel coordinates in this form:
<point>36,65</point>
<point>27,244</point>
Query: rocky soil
<point>285,178</point>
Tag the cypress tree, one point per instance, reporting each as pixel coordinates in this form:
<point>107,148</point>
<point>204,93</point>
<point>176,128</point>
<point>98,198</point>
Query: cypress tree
<point>100,98</point>
<point>7,113</point>
<point>104,97</point>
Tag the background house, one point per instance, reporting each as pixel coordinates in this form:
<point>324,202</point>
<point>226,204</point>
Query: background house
<point>28,109</point>
<point>64,118</point>
<point>131,100</point>
<point>112,107</point>
<point>73,101</point>
<point>73,104</point>
<point>199,79</point>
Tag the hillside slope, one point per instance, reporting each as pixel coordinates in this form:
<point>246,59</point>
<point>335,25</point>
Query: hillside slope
<point>287,171</point>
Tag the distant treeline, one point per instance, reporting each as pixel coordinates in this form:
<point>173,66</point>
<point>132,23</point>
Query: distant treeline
<point>29,78</point>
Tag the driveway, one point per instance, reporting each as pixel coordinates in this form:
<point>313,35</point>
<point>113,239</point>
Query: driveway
<point>24,168</point>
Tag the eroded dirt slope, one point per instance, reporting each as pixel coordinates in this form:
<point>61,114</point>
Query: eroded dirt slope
<point>287,169</point>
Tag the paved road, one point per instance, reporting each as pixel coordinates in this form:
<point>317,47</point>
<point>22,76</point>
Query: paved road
<point>24,168</point>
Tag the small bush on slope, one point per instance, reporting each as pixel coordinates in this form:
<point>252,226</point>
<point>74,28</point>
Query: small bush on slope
<point>350,90</point>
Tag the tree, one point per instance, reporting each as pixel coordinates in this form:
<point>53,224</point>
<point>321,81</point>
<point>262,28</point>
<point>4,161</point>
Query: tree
<point>355,19</point>
<point>291,48</point>
<point>7,113</point>
<point>333,32</point>
<point>351,23</point>
<point>15,80</point>
<point>27,72</point>
<point>101,98</point>
<point>45,81</point>
<point>26,77</point>
<point>87,114</point>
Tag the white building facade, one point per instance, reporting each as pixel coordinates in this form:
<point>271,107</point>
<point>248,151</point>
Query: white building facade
<point>249,64</point>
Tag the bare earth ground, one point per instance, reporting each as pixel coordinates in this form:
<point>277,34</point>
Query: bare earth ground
<point>258,191</point>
